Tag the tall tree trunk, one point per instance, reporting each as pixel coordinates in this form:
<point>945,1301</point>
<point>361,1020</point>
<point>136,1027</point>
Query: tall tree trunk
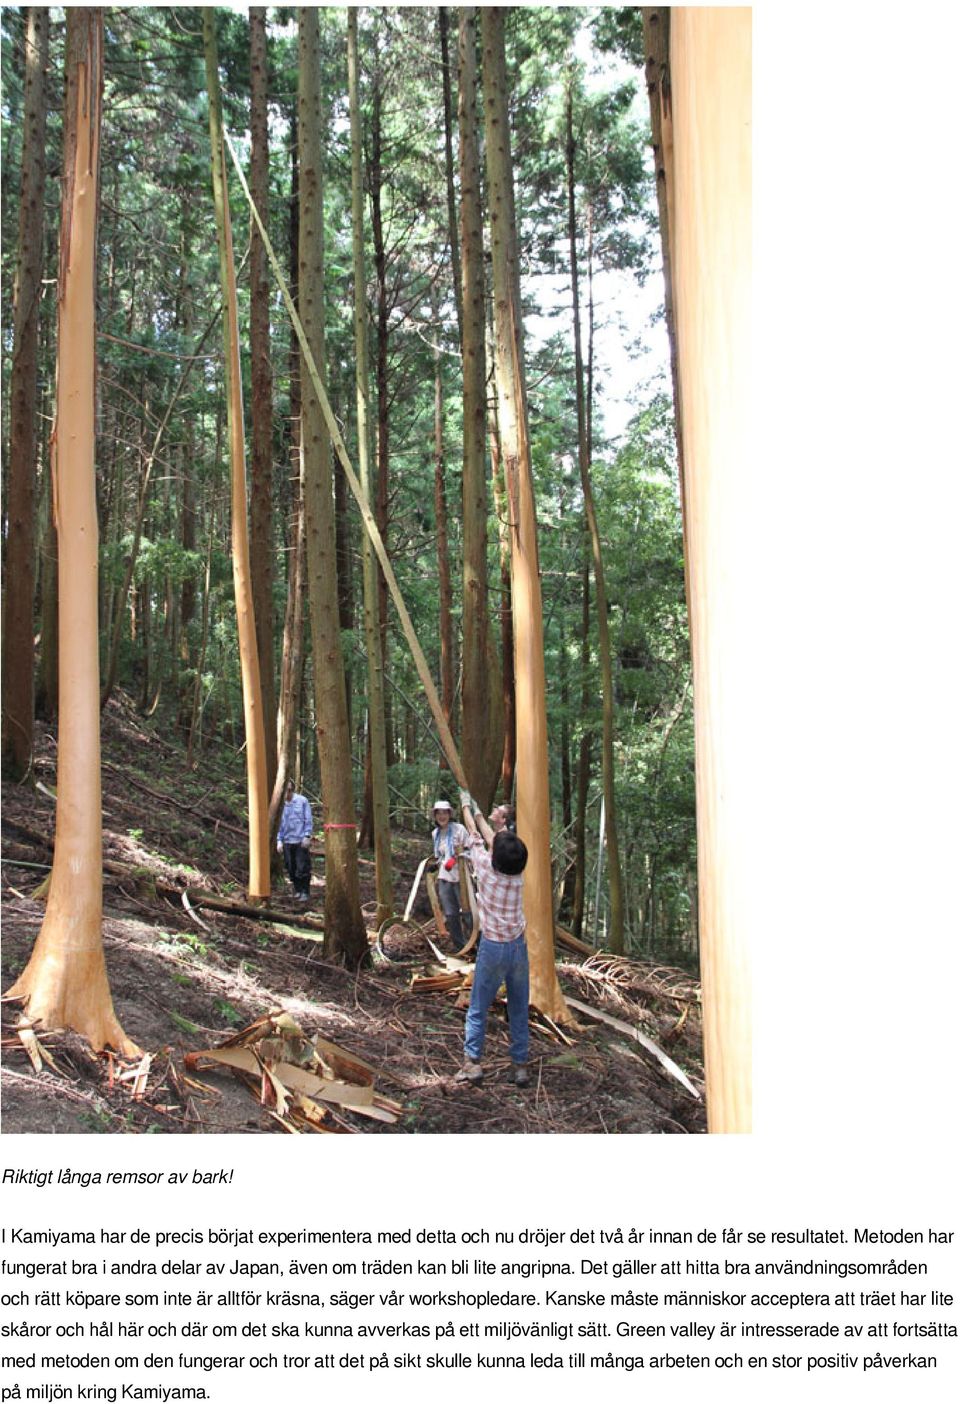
<point>259,867</point>
<point>261,384</point>
<point>48,675</point>
<point>656,49</point>
<point>583,758</point>
<point>508,692</point>
<point>346,937</point>
<point>291,665</point>
<point>710,173</point>
<point>443,18</point>
<point>380,801</point>
<point>603,625</point>
<point>345,609</point>
<point>17,669</point>
<point>381,504</point>
<point>482,701</point>
<point>444,586</point>
<point>533,772</point>
<point>65,982</point>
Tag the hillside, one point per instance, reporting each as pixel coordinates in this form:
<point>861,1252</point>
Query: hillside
<point>184,980</point>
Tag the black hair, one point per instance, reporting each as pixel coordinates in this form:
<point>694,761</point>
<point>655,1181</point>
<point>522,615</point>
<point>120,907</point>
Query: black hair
<point>509,854</point>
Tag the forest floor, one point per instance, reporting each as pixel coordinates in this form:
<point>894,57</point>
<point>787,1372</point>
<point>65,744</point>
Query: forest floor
<point>179,986</point>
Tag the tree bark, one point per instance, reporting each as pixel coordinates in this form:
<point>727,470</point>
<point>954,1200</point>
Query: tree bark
<point>291,665</point>
<point>65,982</point>
<point>443,19</point>
<point>17,670</point>
<point>381,504</point>
<point>583,758</point>
<point>533,774</point>
<point>615,940</point>
<point>656,47</point>
<point>346,931</point>
<point>48,677</point>
<point>261,385</point>
<point>508,693</point>
<point>444,586</point>
<point>259,865</point>
<point>482,701</point>
<point>380,801</point>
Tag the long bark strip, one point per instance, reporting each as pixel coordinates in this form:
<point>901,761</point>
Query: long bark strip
<point>259,865</point>
<point>371,603</point>
<point>508,693</point>
<point>381,497</point>
<point>482,705</point>
<point>603,625</point>
<point>65,982</point>
<point>533,772</point>
<point>291,665</point>
<point>710,175</point>
<point>17,671</point>
<point>346,931</point>
<point>444,586</point>
<point>310,365</point>
<point>261,387</point>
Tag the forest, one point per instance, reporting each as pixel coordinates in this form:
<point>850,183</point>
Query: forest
<point>383,499</point>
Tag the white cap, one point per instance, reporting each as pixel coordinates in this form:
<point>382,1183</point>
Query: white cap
<point>442,804</point>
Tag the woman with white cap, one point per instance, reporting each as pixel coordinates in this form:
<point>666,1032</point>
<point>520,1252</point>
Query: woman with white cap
<point>449,838</point>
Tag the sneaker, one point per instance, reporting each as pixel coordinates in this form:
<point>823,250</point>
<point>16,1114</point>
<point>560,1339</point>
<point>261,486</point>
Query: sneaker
<point>521,1075</point>
<point>470,1072</point>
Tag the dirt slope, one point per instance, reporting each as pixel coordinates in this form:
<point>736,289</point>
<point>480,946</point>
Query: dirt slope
<point>179,986</point>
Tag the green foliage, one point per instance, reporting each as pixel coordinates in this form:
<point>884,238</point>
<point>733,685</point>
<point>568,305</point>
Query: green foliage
<point>158,293</point>
<point>227,1012</point>
<point>186,1026</point>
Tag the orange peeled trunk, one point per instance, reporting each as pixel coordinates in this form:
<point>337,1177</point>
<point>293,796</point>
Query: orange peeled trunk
<point>253,719</point>
<point>709,185</point>
<point>65,983</point>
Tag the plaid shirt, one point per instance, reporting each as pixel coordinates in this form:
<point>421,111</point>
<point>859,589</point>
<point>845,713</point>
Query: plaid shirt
<point>500,896</point>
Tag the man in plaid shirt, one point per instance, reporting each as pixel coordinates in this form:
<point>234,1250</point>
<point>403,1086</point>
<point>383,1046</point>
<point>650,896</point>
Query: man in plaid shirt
<point>502,952</point>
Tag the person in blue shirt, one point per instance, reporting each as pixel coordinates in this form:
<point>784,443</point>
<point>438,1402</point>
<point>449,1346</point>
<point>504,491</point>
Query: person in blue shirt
<point>293,840</point>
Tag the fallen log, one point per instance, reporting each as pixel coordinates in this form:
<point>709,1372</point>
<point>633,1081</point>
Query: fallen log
<point>573,943</point>
<point>199,898</point>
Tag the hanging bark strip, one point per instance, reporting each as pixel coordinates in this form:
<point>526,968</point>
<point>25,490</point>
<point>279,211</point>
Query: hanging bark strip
<point>482,697</point>
<point>261,393</point>
<point>420,662</point>
<point>65,983</point>
<point>371,604</point>
<point>259,878</point>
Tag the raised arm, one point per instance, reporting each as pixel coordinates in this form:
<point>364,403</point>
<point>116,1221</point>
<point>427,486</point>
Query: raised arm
<point>476,824</point>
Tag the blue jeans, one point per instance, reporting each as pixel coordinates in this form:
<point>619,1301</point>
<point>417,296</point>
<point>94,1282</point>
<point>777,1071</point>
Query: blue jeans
<point>459,924</point>
<point>500,962</point>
